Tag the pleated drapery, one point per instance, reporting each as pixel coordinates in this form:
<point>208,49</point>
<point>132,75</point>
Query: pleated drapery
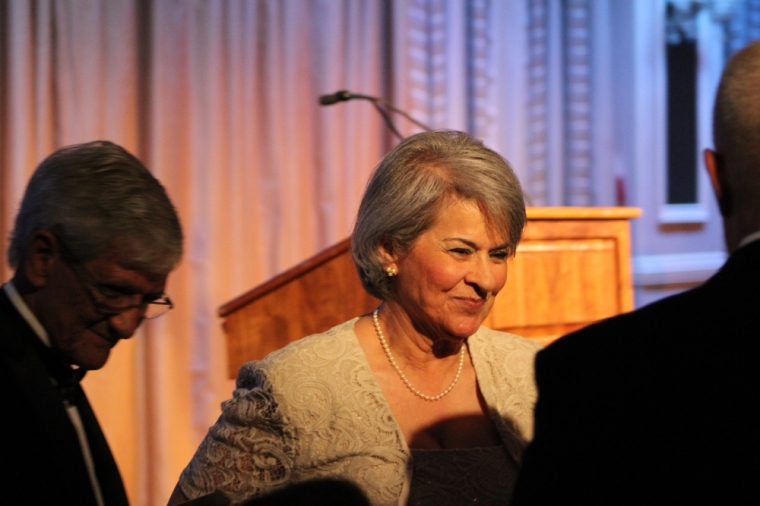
<point>219,100</point>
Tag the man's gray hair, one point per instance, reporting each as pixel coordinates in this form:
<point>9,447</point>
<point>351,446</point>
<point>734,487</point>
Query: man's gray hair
<point>409,186</point>
<point>88,195</point>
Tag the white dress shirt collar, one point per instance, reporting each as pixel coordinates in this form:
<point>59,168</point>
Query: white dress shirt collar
<point>750,238</point>
<point>24,310</point>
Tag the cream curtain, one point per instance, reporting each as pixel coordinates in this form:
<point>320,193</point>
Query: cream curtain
<point>219,100</point>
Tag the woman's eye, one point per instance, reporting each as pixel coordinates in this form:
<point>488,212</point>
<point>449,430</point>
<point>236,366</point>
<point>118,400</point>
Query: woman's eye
<point>499,255</point>
<point>460,251</point>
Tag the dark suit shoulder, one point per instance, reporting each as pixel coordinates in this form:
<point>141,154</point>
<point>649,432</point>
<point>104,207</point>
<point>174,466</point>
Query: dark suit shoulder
<point>722,305</point>
<point>657,406</point>
<point>44,446</point>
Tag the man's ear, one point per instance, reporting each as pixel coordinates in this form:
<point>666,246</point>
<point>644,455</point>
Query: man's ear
<point>41,257</point>
<point>719,179</point>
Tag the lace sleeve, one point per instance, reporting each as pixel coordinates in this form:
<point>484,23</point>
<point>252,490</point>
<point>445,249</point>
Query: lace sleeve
<point>249,450</point>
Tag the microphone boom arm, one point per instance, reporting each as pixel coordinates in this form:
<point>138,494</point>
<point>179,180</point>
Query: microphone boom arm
<point>382,106</point>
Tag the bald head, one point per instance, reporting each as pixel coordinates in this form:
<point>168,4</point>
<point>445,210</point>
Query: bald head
<point>736,131</point>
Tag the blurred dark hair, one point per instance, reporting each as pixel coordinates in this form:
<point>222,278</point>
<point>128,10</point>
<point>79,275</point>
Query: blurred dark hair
<point>320,492</point>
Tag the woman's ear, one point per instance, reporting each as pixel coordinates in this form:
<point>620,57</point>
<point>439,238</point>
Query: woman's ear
<point>388,258</point>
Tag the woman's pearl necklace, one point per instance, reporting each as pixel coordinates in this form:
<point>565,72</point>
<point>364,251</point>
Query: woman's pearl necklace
<point>416,392</point>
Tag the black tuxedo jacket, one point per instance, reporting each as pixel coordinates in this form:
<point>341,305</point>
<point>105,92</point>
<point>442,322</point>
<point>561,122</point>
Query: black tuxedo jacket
<point>658,406</point>
<point>41,461</point>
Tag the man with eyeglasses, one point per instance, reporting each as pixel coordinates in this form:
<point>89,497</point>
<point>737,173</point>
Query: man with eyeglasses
<point>94,241</point>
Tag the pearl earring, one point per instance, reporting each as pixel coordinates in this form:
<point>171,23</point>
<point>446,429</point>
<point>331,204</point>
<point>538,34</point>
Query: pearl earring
<point>392,271</point>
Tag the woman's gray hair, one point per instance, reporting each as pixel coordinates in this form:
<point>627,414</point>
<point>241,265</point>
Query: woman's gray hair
<point>408,187</point>
<point>89,194</point>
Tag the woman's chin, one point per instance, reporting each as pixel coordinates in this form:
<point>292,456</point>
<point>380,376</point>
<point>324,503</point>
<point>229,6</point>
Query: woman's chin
<point>466,327</point>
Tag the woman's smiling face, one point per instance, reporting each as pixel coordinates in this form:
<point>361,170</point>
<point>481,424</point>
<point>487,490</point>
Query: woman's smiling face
<point>447,282</point>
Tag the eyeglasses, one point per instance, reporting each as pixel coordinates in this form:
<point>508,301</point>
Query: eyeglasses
<point>110,300</point>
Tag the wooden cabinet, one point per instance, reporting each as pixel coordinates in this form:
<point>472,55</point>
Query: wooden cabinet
<point>572,268</point>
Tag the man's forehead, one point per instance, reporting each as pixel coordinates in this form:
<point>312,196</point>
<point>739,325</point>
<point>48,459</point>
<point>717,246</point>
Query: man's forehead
<point>116,264</point>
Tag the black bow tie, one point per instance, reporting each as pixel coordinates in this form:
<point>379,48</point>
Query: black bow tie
<point>66,379</point>
<point>69,385</point>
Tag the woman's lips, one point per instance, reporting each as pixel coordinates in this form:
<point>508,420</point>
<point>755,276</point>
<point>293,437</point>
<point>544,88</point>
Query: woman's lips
<point>472,304</point>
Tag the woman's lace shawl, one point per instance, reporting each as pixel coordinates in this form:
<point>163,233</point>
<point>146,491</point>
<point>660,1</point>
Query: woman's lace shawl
<point>314,409</point>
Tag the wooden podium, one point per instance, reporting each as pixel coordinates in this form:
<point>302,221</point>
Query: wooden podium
<point>572,268</point>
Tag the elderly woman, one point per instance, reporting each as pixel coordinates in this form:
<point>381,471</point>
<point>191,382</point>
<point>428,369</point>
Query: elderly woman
<point>416,402</point>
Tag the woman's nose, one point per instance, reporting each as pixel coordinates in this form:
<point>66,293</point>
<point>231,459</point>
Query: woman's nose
<point>487,275</point>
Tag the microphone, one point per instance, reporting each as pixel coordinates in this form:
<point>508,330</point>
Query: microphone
<point>382,106</point>
<point>334,98</point>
